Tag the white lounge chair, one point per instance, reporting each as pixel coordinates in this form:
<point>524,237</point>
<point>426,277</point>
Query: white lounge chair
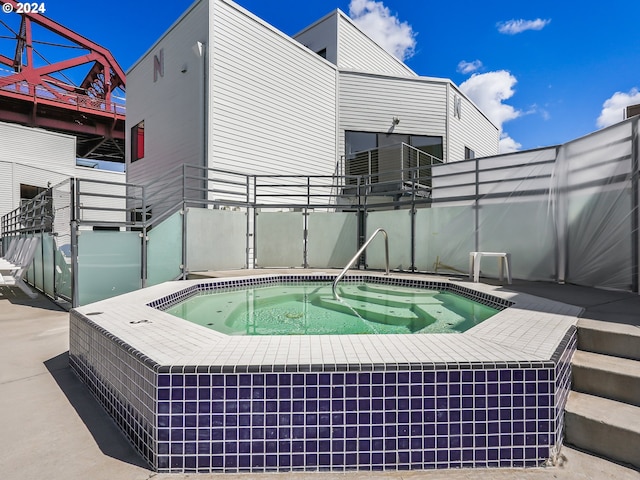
<point>12,248</point>
<point>13,254</point>
<point>12,276</point>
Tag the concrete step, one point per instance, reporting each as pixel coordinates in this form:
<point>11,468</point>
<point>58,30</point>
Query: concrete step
<point>619,340</point>
<point>389,299</point>
<point>605,427</point>
<point>395,290</point>
<point>606,376</point>
<point>374,312</point>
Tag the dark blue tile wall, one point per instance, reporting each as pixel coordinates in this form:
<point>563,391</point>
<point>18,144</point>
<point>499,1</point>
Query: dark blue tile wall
<point>562,359</point>
<point>121,379</point>
<point>355,420</point>
<point>399,417</point>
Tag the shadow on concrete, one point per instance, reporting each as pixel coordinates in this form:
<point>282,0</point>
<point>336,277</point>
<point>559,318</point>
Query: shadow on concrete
<point>17,297</point>
<point>599,304</point>
<point>105,432</point>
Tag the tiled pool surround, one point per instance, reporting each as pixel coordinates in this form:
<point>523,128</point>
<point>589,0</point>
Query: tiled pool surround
<point>193,400</point>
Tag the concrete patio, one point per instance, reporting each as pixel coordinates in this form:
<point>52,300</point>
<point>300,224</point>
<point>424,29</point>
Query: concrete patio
<point>54,429</point>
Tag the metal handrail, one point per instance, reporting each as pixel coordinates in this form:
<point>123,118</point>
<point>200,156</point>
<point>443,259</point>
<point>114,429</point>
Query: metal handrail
<point>358,253</point>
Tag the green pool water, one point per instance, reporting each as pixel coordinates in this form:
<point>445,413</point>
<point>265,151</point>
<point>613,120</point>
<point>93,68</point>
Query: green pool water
<point>310,309</point>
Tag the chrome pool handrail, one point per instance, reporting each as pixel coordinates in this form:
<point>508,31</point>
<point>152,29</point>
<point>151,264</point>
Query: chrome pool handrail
<point>358,253</point>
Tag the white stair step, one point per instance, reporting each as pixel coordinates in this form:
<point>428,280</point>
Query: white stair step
<point>603,426</point>
<point>607,376</point>
<point>608,338</point>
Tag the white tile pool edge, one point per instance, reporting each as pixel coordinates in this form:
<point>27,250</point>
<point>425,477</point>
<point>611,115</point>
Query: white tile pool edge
<point>530,330</point>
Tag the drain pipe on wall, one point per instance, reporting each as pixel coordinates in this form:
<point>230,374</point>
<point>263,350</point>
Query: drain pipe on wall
<point>200,49</point>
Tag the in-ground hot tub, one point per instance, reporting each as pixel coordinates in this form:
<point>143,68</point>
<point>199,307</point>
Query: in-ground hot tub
<point>191,399</point>
<point>312,308</point>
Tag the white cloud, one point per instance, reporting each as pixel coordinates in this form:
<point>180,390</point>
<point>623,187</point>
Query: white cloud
<point>488,91</point>
<point>469,67</point>
<point>376,20</point>
<point>613,107</point>
<point>508,144</point>
<point>513,27</point>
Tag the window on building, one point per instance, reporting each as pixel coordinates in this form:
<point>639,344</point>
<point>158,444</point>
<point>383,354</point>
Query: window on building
<point>360,141</point>
<point>360,161</point>
<point>469,154</point>
<point>428,144</point>
<point>137,142</point>
<point>27,192</point>
<point>388,139</point>
<point>137,217</point>
<point>45,209</point>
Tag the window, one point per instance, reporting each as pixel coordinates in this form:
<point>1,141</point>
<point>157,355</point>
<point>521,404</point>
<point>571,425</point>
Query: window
<point>137,142</point>
<point>360,141</point>
<point>27,192</point>
<point>428,144</point>
<point>359,161</point>
<point>388,139</point>
<point>469,154</point>
<point>45,206</point>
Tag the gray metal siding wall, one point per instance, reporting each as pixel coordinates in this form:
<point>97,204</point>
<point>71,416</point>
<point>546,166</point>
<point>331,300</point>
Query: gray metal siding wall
<point>12,174</point>
<point>38,157</point>
<point>473,129</point>
<point>272,102</point>
<point>170,105</point>
<point>323,34</point>
<point>358,52</point>
<point>47,150</point>
<point>17,173</point>
<point>369,102</point>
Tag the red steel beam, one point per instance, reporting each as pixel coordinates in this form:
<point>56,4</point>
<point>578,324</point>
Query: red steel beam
<point>76,38</point>
<point>35,96</point>
<point>100,56</point>
<point>73,107</point>
<point>67,125</point>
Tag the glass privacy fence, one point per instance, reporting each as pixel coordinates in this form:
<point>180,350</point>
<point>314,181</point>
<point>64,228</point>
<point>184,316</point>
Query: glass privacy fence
<point>566,214</point>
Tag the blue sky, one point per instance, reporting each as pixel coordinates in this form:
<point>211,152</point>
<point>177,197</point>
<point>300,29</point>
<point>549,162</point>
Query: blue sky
<point>546,72</point>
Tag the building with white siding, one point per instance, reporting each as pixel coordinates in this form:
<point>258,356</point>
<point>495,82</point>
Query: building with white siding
<point>224,89</point>
<point>32,159</point>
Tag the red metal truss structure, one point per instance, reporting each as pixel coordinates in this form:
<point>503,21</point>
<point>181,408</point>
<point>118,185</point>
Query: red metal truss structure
<point>44,96</point>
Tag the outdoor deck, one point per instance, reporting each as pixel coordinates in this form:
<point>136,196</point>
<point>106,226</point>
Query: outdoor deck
<point>54,429</point>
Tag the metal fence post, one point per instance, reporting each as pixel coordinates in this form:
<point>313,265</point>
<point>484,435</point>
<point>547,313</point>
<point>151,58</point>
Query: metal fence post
<point>635,202</point>
<point>75,294</point>
<point>305,226</point>
<point>476,217</point>
<point>248,232</point>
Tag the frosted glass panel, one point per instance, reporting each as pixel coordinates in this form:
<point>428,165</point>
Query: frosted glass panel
<point>62,275</point>
<point>164,250</point>
<point>524,229</point>
<point>598,221</point>
<point>216,239</point>
<point>30,274</point>
<point>38,267</point>
<point>332,239</point>
<point>108,264</point>
<point>444,238</point>
<point>397,224</point>
<point>49,265</point>
<point>279,239</point>
<point>599,239</point>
